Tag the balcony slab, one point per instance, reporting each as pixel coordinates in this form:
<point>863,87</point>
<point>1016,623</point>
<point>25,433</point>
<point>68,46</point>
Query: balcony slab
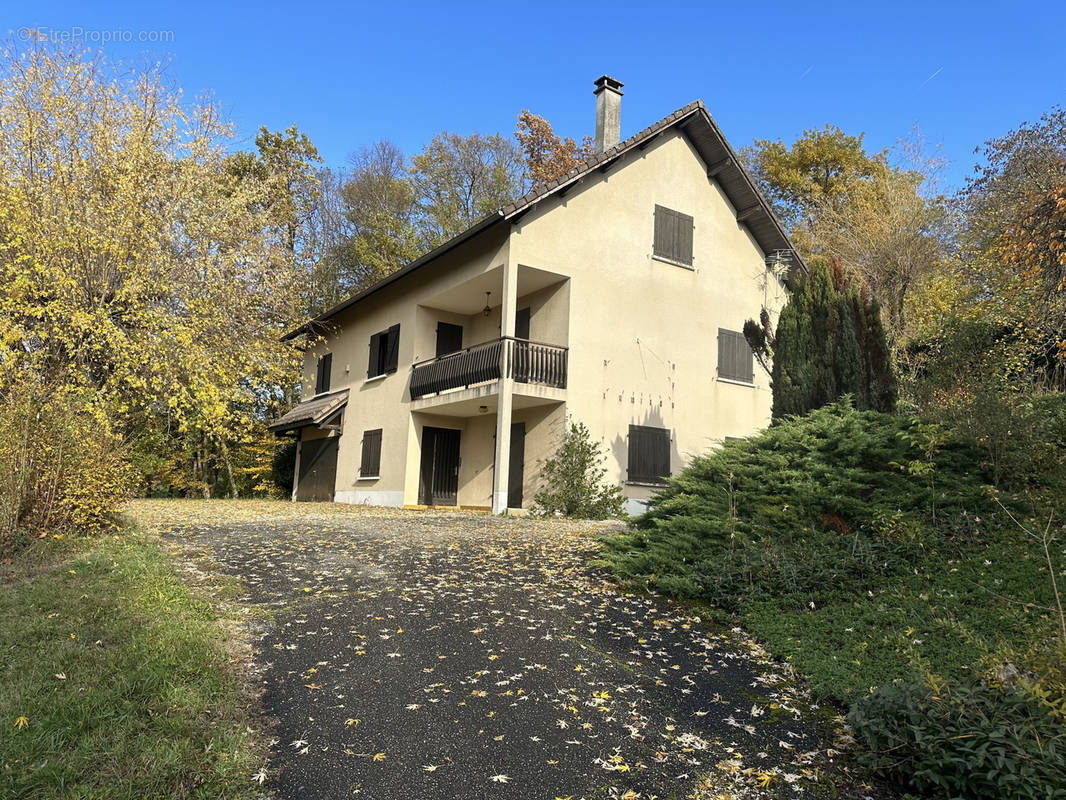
<point>484,399</point>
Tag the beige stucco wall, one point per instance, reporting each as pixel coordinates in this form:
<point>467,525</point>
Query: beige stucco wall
<point>642,333</point>
<point>382,403</point>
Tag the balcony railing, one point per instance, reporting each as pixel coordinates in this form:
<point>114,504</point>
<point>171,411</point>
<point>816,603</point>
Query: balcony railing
<point>521,359</point>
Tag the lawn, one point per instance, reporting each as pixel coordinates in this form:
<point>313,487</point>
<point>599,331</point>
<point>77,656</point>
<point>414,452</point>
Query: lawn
<point>954,613</point>
<point>116,679</point>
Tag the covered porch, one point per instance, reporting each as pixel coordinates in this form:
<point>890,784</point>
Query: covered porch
<point>487,352</point>
<point>452,454</point>
<point>316,425</point>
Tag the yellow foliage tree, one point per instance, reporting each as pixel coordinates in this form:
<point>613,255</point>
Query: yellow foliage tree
<point>137,274</point>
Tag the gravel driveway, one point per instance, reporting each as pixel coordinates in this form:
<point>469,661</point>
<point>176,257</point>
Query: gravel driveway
<point>445,655</point>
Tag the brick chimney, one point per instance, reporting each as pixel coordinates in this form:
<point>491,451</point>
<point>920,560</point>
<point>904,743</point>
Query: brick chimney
<point>608,112</point>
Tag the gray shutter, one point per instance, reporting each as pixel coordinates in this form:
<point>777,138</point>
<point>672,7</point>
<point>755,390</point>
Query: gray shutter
<point>375,356</point>
<point>735,360</point>
<point>659,247</point>
<point>744,359</point>
<point>392,357</point>
<point>685,225</point>
<point>673,235</point>
<point>727,354</point>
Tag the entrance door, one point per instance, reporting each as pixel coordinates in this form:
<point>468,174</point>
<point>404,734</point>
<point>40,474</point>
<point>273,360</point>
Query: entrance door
<point>439,477</point>
<point>318,469</point>
<point>516,471</point>
<point>449,338</point>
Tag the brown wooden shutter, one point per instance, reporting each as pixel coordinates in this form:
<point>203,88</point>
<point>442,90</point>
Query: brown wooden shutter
<point>673,235</point>
<point>325,372</point>
<point>372,368</point>
<point>370,463</point>
<point>392,358</point>
<point>649,454</point>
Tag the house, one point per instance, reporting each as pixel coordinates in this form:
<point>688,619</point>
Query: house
<point>615,295</point>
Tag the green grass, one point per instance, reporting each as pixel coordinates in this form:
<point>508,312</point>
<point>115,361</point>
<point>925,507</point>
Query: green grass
<point>952,615</point>
<point>147,705</point>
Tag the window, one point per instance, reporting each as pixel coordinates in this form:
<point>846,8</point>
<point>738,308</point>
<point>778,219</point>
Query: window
<point>673,236</point>
<point>323,373</point>
<point>735,361</point>
<point>384,352</point>
<point>370,464</point>
<point>649,454</point>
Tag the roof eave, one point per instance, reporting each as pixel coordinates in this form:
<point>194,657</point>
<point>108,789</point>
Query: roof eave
<point>322,319</point>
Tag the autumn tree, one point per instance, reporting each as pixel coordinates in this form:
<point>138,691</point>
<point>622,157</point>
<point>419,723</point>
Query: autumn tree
<point>548,156</point>
<point>818,169</point>
<point>890,232</point>
<point>460,179</point>
<point>1019,169</point>
<point>336,273</point>
<point>136,280</point>
<point>379,204</point>
<point>1011,259</point>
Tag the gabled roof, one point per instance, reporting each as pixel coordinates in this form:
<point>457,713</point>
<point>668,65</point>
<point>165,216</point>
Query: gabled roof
<point>316,411</point>
<point>696,123</point>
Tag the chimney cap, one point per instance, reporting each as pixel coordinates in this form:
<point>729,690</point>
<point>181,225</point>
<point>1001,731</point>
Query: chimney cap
<point>607,82</point>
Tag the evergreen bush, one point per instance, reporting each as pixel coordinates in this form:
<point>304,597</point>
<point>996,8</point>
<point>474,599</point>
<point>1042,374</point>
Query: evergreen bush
<point>824,491</point>
<point>963,739</point>
<point>829,343</point>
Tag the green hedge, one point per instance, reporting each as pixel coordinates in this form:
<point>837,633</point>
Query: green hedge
<point>963,739</point>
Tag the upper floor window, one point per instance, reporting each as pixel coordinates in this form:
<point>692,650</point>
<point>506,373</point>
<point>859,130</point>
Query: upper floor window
<point>323,373</point>
<point>735,360</point>
<point>673,236</point>
<point>649,454</point>
<point>384,352</point>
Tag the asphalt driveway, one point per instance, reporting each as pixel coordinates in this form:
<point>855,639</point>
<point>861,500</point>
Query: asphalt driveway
<point>436,655</point>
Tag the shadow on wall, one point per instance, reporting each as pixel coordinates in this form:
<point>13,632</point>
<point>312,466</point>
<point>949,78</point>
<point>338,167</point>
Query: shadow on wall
<point>556,422</point>
<point>653,418</point>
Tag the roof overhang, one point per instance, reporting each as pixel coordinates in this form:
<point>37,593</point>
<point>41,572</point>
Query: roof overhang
<point>319,412</point>
<point>320,323</point>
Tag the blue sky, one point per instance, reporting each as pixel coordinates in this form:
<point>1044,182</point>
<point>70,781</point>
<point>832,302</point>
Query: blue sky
<point>350,73</point>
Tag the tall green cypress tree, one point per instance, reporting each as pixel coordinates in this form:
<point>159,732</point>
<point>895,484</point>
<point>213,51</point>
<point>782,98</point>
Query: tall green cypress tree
<point>883,385</point>
<point>829,342</point>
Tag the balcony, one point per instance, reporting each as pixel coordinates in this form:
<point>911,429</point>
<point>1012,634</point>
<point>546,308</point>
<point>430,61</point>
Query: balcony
<point>520,359</point>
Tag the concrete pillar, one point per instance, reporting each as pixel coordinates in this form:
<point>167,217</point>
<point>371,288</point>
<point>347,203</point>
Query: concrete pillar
<point>296,465</point>
<point>501,472</point>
